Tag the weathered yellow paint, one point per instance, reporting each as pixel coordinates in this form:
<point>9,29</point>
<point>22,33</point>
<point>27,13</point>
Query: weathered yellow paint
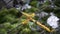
<point>38,23</point>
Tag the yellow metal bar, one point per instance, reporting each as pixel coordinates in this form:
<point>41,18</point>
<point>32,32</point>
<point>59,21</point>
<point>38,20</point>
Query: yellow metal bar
<point>38,23</point>
<point>43,26</point>
<point>25,21</point>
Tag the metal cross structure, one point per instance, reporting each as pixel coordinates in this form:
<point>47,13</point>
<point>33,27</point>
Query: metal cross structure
<point>38,23</point>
